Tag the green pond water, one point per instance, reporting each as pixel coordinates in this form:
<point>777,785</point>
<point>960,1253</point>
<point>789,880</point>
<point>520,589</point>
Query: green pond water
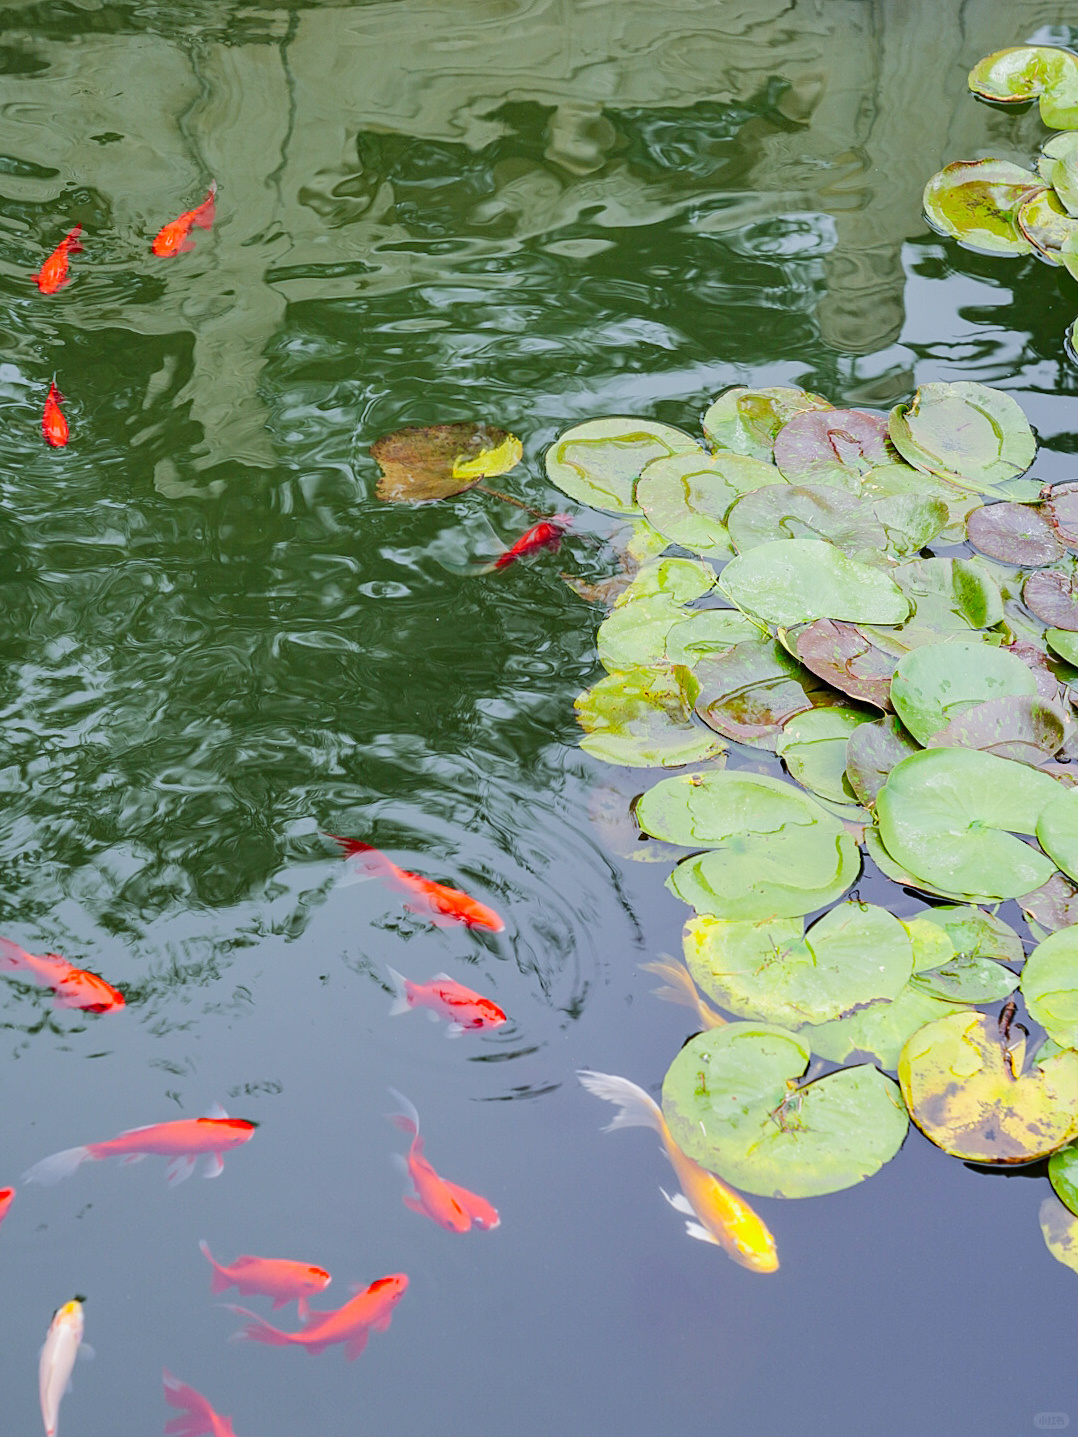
<point>216,645</point>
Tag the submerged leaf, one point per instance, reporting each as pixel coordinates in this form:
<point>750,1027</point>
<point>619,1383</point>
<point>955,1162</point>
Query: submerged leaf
<point>977,934</point>
<point>967,980</point>
<point>1050,986</point>
<point>746,421</point>
<point>421,465</point>
<point>965,432</point>
<point>872,751</point>
<point>1015,534</point>
<point>687,496</point>
<point>935,684</point>
<point>976,202</point>
<point>904,481</point>
<point>643,718</point>
<point>794,581</point>
<point>598,463</point>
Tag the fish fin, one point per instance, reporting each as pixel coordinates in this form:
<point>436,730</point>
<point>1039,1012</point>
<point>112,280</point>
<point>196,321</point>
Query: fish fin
<point>443,978</point>
<point>635,1108</point>
<point>221,1282</point>
<point>680,1203</point>
<point>355,1346</point>
<point>694,1229</point>
<point>454,1030</point>
<point>381,1324</point>
<point>86,1352</point>
<point>215,1166</point>
<point>351,846</point>
<point>125,1162</point>
<point>400,988</point>
<point>180,1169</point>
<point>11,955</point>
<point>60,1165</point>
<point>432,1016</point>
<point>411,1201</point>
<point>185,246</point>
<point>408,1117</point>
<point>214,1111</point>
<point>206,211</point>
<point>303,1309</point>
<point>257,1330</point>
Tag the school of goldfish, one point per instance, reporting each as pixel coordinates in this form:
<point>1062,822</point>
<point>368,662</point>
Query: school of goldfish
<point>715,1213</point>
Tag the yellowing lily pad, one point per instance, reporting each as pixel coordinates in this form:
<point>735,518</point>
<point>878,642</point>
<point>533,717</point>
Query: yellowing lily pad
<point>687,496</point>
<point>976,202</point>
<point>794,581</point>
<point>599,462</point>
<point>746,421</point>
<point>1044,222</point>
<point>421,465</point>
<point>1058,166</point>
<point>1025,72</point>
<point>1059,1228</point>
<point>935,684</point>
<point>964,432</point>
<point>642,718</point>
<point>1050,986</point>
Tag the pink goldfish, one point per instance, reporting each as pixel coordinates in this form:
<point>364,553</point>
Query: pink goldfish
<point>184,1142</point>
<point>371,1310</point>
<point>450,1206</point>
<point>74,987</point>
<point>197,1419</point>
<point>444,997</point>
<point>274,1277</point>
<point>438,902</point>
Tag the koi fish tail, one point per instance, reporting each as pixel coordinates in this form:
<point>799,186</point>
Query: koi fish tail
<point>681,990</point>
<point>221,1280</point>
<point>258,1330</point>
<point>12,957</point>
<point>635,1108</point>
<point>204,215</point>
<point>59,1166</point>
<point>352,846</point>
<point>408,1117</point>
<point>401,1002</point>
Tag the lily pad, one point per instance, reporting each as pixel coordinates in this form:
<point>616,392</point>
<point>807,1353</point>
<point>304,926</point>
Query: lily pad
<point>1050,986</point>
<point>750,692</point>
<point>806,512</point>
<point>1059,1228</point>
<point>1025,72</point>
<point>683,580</point>
<point>881,1030</point>
<point>964,432</point>
<point>658,630</point>
<point>910,521</point>
<point>643,718</point>
<point>421,465</point>
<point>976,202</point>
<point>843,657</point>
<point>794,581</point>
<point>1052,594</point>
<point>774,853</point>
<point>965,1090</point>
<point>1028,729</point>
<point>746,421</point>
<point>1043,221</point>
<point>813,747</point>
<point>1014,534</point>
<point>1058,166</point>
<point>729,1101</point>
<point>935,684</point>
<point>894,480</point>
<point>1063,642</point>
<point>776,972</point>
<point>1062,512</point>
<point>687,496</point>
<point>967,980</point>
<point>1054,905</point>
<point>1063,1175</point>
<point>948,596</point>
<point>949,816</point>
<point>977,934</point>
<point>872,751</point>
<point>599,462</point>
<point>828,446</point>
<point>897,874</point>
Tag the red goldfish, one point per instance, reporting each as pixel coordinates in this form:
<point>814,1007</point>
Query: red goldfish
<point>174,237</point>
<point>53,273</point>
<point>465,1009</point>
<point>74,987</point>
<point>7,1197</point>
<point>450,1206</point>
<point>198,1418</point>
<point>273,1277</point>
<point>442,905</point>
<point>371,1310</point>
<point>53,424</point>
<point>184,1141</point>
<point>547,534</point>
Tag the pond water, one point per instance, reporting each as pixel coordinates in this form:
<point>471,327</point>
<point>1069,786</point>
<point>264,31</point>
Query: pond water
<point>217,645</point>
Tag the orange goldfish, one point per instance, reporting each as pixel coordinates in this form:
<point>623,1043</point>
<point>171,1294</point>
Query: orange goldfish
<point>53,273</point>
<point>371,1310</point>
<point>63,1343</point>
<point>441,904</point>
<point>197,1419</point>
<point>722,1216</point>
<point>274,1277</point>
<point>465,1009</point>
<point>174,238</point>
<point>74,987</point>
<point>7,1197</point>
<point>450,1206</point>
<point>184,1141</point>
<point>53,424</point>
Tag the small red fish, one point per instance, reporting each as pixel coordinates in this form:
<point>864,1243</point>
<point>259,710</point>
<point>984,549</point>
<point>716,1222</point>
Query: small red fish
<point>184,1141</point>
<point>198,1418</point>
<point>371,1310</point>
<point>274,1277</point>
<point>53,424</point>
<point>465,1010</point>
<point>74,987</point>
<point>547,534</point>
<point>7,1197</point>
<point>174,238</point>
<point>53,273</point>
<point>450,1206</point>
<point>436,901</point>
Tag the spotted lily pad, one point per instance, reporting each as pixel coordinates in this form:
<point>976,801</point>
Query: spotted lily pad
<point>1052,594</point>
<point>794,581</point>
<point>1025,72</point>
<point>880,1030</point>
<point>598,463</point>
<point>813,747</point>
<point>730,1101</point>
<point>964,432</point>
<point>949,816</point>
<point>776,972</point>
<point>843,657</point>
<point>965,1089</point>
<point>807,511</point>
<point>746,421</point>
<point>1015,534</point>
<point>1050,986</point>
<point>750,692</point>
<point>643,718</point>
<point>976,202</point>
<point>872,751</point>
<point>422,465</point>
<point>773,852</point>
<point>687,496</point>
<point>935,684</point>
<point>1029,729</point>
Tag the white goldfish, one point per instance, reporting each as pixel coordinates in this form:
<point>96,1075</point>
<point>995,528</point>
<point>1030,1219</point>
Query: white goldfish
<point>63,1344</point>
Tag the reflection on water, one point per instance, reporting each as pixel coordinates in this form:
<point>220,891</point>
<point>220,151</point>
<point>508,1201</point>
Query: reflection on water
<point>216,646</point>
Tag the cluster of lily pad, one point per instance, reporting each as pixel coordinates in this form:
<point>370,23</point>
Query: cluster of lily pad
<point>998,207</point>
<point>856,635</point>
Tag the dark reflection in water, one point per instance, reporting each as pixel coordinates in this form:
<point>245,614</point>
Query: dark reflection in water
<point>216,646</point>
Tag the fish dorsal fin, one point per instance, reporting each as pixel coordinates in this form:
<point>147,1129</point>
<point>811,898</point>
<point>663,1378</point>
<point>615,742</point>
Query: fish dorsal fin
<point>444,978</point>
<point>214,1111</point>
<point>143,1128</point>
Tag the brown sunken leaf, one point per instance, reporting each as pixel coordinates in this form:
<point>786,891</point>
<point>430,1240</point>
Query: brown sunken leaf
<point>1052,594</point>
<point>840,654</point>
<point>439,460</point>
<point>1014,534</point>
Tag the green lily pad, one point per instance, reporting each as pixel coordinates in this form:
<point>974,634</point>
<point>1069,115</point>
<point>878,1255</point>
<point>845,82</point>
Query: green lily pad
<point>977,934</point>
<point>794,581</point>
<point>964,432</point>
<point>706,634</point>
<point>910,521</point>
<point>598,463</point>
<point>966,1092</point>
<point>843,657</point>
<point>949,816</point>
<point>806,512</point>
<point>1063,642</point>
<point>897,874</point>
<point>894,480</point>
<point>881,1030</point>
<point>1043,221</point>
<point>1050,986</point>
<point>935,684</point>
<point>773,852</point>
<point>813,747</point>
<point>643,718</point>
<point>932,947</point>
<point>1058,167</point>
<point>967,980</point>
<point>1026,728</point>
<point>687,496</point>
<point>776,972</point>
<point>1054,905</point>
<point>683,580</point>
<point>1022,72</point>
<point>1052,594</point>
<point>1015,534</point>
<point>658,630</point>
<point>976,203</point>
<point>1059,1228</point>
<point>949,596</point>
<point>823,447</point>
<point>751,691</point>
<point>746,421</point>
<point>730,1104</point>
<point>1063,1175</point>
<point>872,751</point>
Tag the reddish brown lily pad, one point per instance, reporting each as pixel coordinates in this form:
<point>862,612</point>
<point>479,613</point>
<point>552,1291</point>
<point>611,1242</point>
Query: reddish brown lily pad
<point>1023,727</point>
<point>840,654</point>
<point>818,446</point>
<point>1014,534</point>
<point>872,751</point>
<point>1036,658</point>
<point>750,692</point>
<point>1054,905</point>
<point>1052,594</point>
<point>1062,512</point>
<point>434,462</point>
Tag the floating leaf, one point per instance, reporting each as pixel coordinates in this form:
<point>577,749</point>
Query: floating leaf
<point>1028,729</point>
<point>775,853</point>
<point>683,580</point>
<point>1050,986</point>
<point>977,934</point>
<point>805,512</point>
<point>1059,1228</point>
<point>1063,642</point>
<point>872,751</point>
<point>830,446</point>
<point>421,465</point>
<point>730,1104</point>
<point>1061,510</point>
<point>598,463</point>
<point>751,691</point>
<point>935,684</point>
<point>775,971</point>
<point>967,980</point>
<point>1063,1175</point>
<point>948,815</point>
<point>658,630</point>
<point>949,596</point>
<point>932,948</point>
<point>687,496</point>
<point>1043,221</point>
<point>897,874</point>
<point>813,747</point>
<point>746,421</point>
<point>843,657</point>
<point>1054,905</point>
<point>1024,72</point>
<point>902,480</point>
<point>643,718</point>
<point>1058,166</point>
<point>964,432</point>
<point>976,202</point>
<point>794,581</point>
<point>1014,534</point>
<point>880,1030</point>
<point>910,521</point>
<point>1052,594</point>
<point>966,1092</point>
